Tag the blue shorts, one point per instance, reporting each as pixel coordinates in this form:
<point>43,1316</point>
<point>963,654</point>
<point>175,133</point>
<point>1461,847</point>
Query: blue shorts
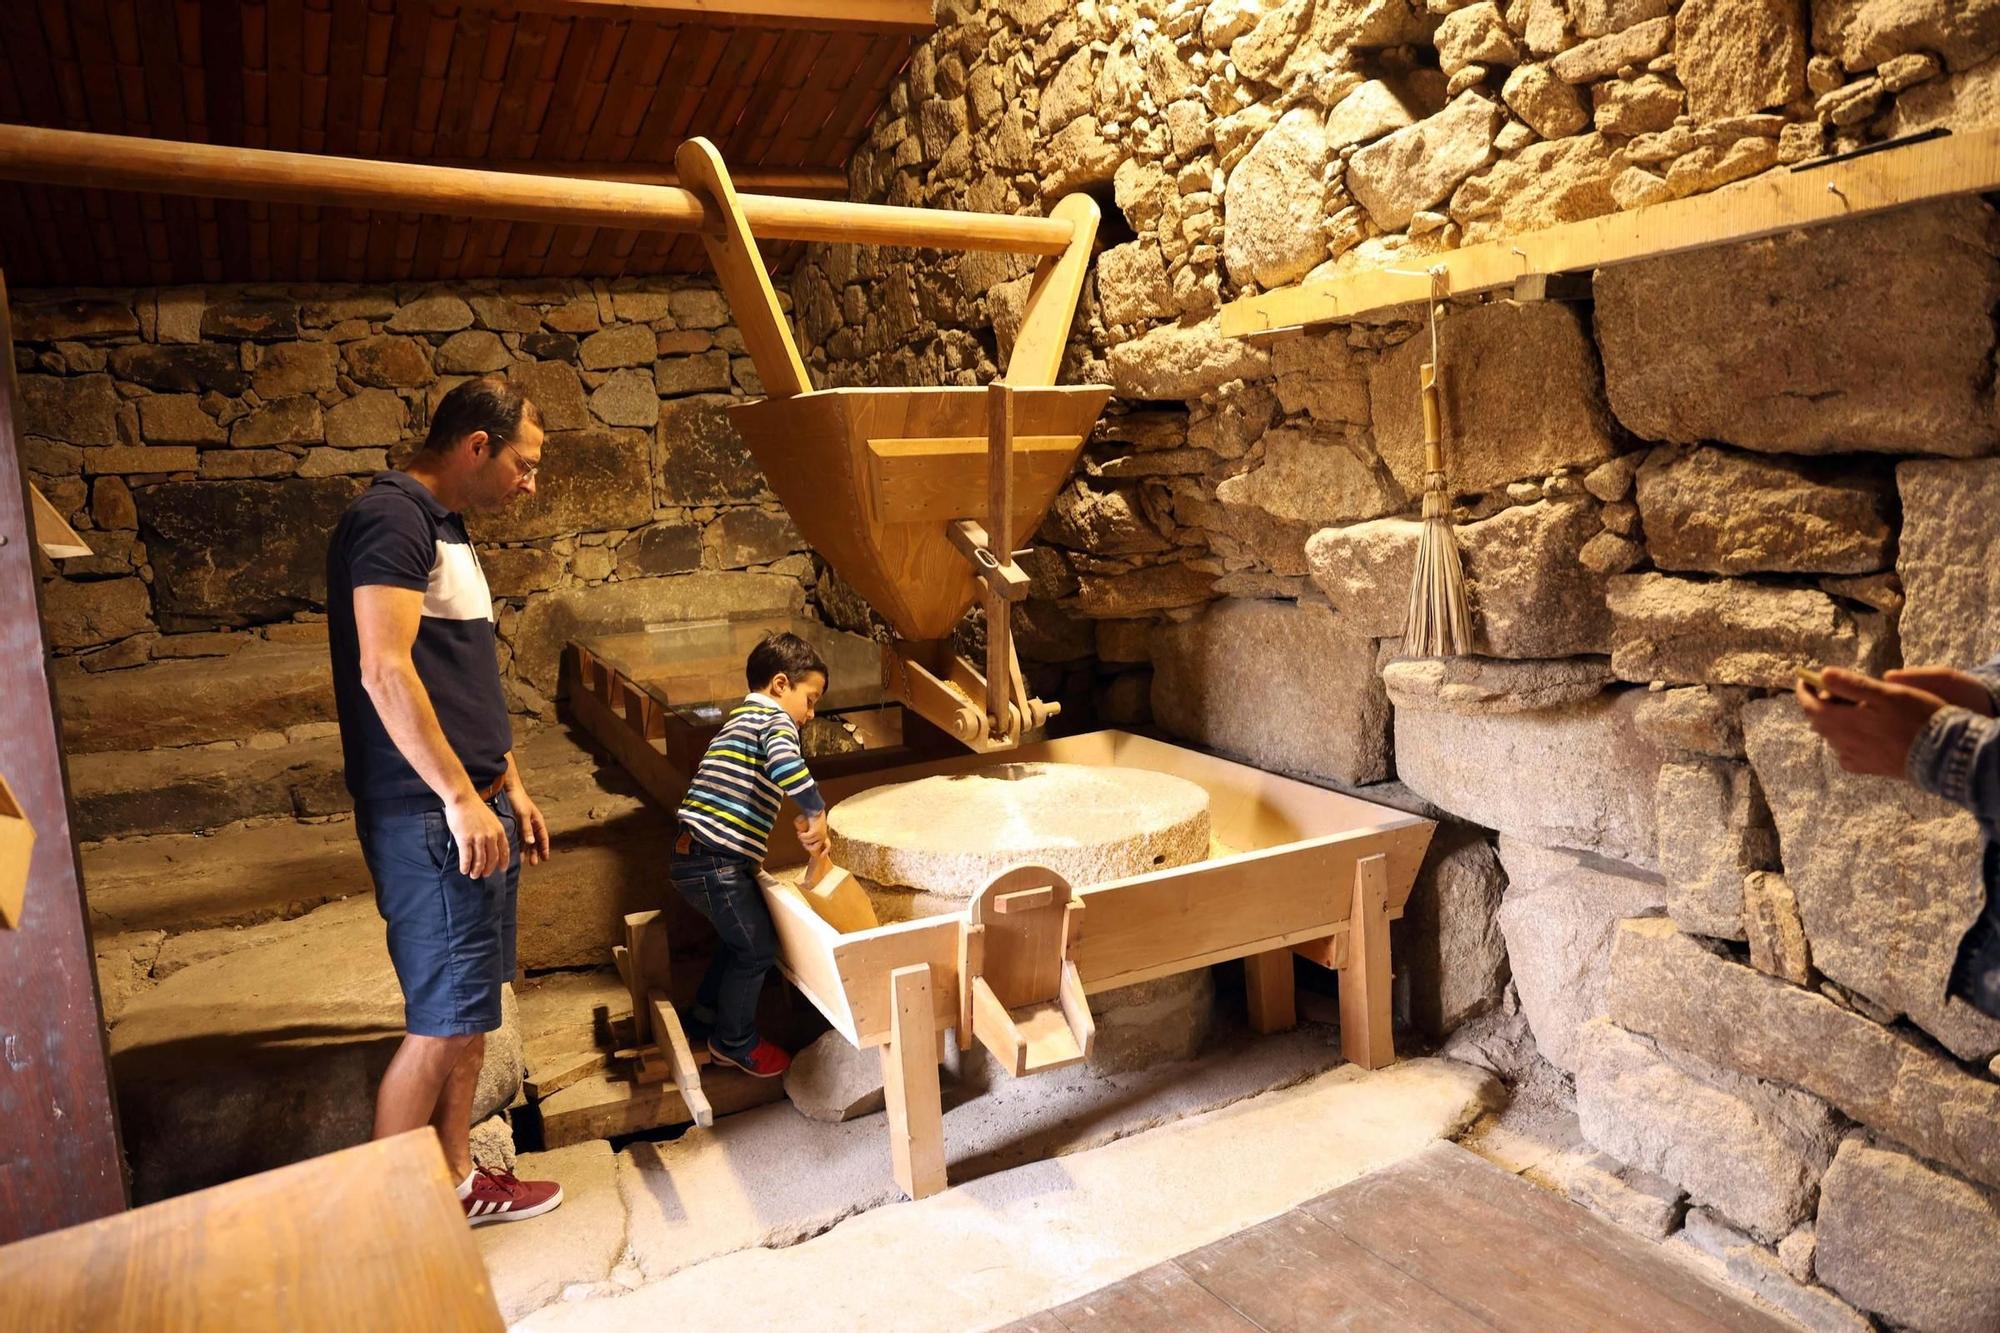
<point>451,937</point>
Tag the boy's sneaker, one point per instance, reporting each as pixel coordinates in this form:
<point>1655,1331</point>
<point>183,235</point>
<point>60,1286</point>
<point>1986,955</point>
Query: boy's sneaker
<point>764,1061</point>
<point>499,1196</point>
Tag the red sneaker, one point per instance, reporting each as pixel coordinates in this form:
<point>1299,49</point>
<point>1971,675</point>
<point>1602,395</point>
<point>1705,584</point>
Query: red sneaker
<point>498,1196</point>
<point>766,1060</point>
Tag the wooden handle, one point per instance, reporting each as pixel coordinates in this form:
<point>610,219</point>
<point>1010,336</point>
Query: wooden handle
<point>818,866</point>
<point>1433,423</point>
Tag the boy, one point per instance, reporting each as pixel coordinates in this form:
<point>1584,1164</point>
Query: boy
<point>750,767</point>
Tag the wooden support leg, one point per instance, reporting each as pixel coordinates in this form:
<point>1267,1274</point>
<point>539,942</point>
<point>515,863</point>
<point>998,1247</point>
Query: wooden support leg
<point>1273,1004</point>
<point>1364,981</point>
<point>910,1085</point>
<point>648,967</point>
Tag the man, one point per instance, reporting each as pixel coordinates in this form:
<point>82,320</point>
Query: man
<point>1938,728</point>
<point>438,802</point>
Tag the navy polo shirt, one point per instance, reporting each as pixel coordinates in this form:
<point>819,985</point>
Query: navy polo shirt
<point>397,535</point>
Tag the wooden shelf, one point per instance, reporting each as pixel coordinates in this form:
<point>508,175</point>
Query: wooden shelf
<point>1777,201</point>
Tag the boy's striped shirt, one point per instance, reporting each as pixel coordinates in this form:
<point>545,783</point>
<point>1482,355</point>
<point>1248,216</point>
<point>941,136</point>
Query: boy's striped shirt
<point>749,769</point>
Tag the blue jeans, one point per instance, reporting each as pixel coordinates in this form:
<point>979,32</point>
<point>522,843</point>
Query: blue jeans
<point>724,889</point>
<point>451,937</point>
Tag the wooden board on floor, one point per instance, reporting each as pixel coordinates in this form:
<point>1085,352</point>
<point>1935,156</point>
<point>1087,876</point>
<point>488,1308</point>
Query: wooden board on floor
<point>1293,1274</point>
<point>1442,1240</point>
<point>1162,1297</point>
<point>368,1237</point>
<point>1518,1256</point>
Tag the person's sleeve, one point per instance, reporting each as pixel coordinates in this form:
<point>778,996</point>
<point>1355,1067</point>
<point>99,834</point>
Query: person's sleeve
<point>1988,675</point>
<point>786,764</point>
<point>390,545</point>
<point>1957,756</point>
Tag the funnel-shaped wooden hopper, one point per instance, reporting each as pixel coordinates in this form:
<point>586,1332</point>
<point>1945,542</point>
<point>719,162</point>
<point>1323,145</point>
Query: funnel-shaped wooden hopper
<point>874,477</point>
<point>918,496</point>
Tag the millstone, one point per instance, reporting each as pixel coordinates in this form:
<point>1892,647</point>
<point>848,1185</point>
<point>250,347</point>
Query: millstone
<point>950,835</point>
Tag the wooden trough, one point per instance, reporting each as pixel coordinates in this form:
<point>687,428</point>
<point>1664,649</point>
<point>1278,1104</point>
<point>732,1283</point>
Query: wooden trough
<point>1312,872</point>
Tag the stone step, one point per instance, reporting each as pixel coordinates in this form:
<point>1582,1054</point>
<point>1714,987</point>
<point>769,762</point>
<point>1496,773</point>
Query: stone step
<point>610,855</point>
<point>119,793</point>
<point>122,793</point>
<point>270,1052</point>
<point>198,700</point>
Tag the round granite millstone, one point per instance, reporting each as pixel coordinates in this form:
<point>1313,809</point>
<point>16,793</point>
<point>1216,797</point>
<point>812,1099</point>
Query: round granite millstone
<point>950,835</point>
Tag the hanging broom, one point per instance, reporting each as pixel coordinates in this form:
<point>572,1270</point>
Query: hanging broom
<point>1438,623</point>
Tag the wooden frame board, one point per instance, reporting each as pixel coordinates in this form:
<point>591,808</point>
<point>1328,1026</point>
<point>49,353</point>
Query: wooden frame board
<point>1293,886</point>
<point>368,1237</point>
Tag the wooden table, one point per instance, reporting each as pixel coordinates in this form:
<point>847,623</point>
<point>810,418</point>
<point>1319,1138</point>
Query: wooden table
<point>371,1237</point>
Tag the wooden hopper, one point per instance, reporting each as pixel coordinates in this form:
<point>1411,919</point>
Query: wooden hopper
<point>916,496</point>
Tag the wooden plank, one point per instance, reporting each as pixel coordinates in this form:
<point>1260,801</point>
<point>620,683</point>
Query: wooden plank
<point>680,1059</point>
<point>604,1107</point>
<point>1519,1257</point>
<point>866,961</point>
<point>910,1086</point>
<point>1169,921</point>
<point>1161,1297</point>
<point>934,480</point>
<point>1076,1009</point>
<point>889,16</point>
<point>58,540</point>
<point>1052,297</point>
<point>57,1135</point>
<point>541,1084</point>
<point>116,162</point>
<point>1365,1037</point>
<point>368,1237</point>
<point>1273,996</point>
<point>1294,1274</point>
<point>1024,900</point>
<point>806,945</point>
<point>732,249</point>
<point>1765,205</point>
<point>649,967</point>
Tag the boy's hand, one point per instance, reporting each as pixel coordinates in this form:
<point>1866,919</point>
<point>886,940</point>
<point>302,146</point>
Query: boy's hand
<point>1872,736</point>
<point>812,833</point>
<point>1954,687</point>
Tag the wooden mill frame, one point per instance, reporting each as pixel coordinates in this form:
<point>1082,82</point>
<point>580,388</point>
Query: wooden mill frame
<point>1310,873</point>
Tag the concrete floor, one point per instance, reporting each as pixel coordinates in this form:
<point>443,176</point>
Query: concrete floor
<point>771,1220</point>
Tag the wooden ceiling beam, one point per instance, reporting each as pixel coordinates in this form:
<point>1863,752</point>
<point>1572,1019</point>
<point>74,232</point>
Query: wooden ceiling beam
<point>777,180</point>
<point>909,17</point>
<point>78,160</point>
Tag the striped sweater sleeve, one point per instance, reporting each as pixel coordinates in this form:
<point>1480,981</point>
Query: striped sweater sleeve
<point>785,764</point>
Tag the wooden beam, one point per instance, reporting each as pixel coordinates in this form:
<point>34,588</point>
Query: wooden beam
<point>912,17</point>
<point>78,159</point>
<point>1777,201</point>
<point>776,180</point>
<point>58,1136</point>
<point>1273,997</point>
<point>1365,1037</point>
<point>733,254</point>
<point>680,1058</point>
<point>910,1085</point>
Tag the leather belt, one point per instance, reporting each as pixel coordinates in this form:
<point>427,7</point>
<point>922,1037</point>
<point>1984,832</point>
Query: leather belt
<point>493,788</point>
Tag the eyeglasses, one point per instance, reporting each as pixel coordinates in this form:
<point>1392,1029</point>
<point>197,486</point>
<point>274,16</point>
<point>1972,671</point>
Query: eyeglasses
<point>529,469</point>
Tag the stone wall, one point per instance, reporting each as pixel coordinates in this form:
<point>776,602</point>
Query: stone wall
<point>1719,466</point>
<point>205,441</point>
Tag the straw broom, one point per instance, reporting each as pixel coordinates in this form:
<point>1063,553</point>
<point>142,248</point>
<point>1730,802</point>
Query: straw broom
<point>1439,623</point>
